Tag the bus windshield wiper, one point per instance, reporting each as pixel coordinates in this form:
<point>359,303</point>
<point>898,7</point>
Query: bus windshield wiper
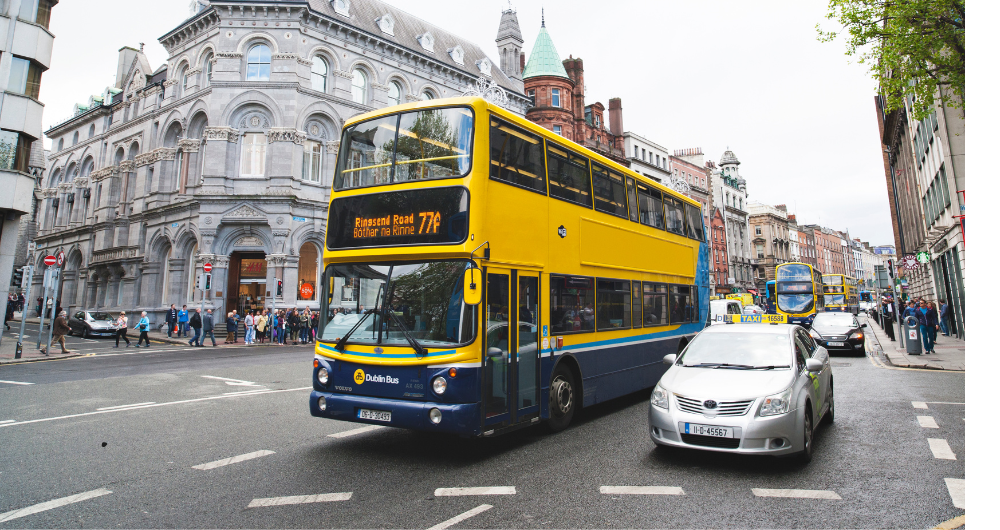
<point>721,365</point>
<point>343,340</point>
<point>421,351</point>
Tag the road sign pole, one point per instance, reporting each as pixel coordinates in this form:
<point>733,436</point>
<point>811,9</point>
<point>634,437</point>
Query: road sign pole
<point>41,309</point>
<point>29,272</point>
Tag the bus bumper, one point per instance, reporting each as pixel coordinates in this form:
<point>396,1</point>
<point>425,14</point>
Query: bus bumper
<point>457,418</point>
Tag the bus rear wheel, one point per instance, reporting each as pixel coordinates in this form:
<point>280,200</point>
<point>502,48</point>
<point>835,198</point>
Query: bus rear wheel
<point>562,399</point>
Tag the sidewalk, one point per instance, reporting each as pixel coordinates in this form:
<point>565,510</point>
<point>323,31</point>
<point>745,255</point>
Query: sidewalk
<point>949,351</point>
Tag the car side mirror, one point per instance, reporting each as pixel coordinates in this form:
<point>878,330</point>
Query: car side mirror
<point>473,286</point>
<point>814,365</point>
<point>670,359</point>
<point>494,353</point>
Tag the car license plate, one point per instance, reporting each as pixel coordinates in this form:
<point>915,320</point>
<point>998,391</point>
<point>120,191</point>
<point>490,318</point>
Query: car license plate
<point>709,430</point>
<point>834,343</point>
<point>376,415</point>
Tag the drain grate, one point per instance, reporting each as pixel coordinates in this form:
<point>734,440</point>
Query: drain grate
<point>841,365</point>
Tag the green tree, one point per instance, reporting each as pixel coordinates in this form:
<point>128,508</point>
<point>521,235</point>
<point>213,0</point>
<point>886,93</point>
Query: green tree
<point>912,47</point>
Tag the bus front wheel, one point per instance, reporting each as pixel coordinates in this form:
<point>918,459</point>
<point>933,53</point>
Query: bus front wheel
<point>562,399</point>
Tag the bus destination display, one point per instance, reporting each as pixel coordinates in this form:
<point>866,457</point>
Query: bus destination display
<point>418,223</point>
<point>430,216</point>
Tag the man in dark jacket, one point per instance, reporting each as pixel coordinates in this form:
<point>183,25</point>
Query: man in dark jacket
<point>195,323</point>
<point>208,323</point>
<point>928,319</point>
<point>172,320</point>
<point>945,320</point>
<point>59,331</point>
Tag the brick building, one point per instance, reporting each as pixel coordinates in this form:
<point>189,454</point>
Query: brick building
<point>719,270</point>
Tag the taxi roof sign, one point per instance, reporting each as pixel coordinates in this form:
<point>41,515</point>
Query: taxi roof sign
<point>753,319</point>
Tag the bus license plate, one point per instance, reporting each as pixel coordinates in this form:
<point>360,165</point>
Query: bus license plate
<point>709,430</point>
<point>834,343</point>
<point>376,415</point>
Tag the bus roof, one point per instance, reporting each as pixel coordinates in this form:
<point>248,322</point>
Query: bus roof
<point>481,104</point>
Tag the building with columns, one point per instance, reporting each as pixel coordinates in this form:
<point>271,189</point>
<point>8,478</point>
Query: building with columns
<point>770,239</point>
<point>225,154</point>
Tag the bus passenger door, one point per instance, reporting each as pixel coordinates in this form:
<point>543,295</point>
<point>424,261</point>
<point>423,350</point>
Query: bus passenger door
<point>526,358</point>
<point>496,359</point>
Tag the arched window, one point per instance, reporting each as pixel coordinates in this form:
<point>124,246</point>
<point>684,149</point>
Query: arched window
<point>76,137</point>
<point>259,63</point>
<point>427,95</point>
<point>359,86</point>
<point>252,156</point>
<point>207,68</point>
<point>178,163</point>
<point>59,147</point>
<point>319,70</point>
<point>395,93</point>
<point>90,133</point>
<point>184,77</point>
<point>308,269</point>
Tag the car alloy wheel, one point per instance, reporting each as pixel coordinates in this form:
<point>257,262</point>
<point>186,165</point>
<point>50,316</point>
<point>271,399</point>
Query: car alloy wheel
<point>807,446</point>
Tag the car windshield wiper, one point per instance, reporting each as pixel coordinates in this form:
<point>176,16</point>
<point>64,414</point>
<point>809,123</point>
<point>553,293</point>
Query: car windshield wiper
<point>421,351</point>
<point>771,367</point>
<point>343,340</point>
<point>721,365</point>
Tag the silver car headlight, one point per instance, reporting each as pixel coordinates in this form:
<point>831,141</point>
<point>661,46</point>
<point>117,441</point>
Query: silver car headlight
<point>660,397</point>
<point>815,335</point>
<point>776,404</point>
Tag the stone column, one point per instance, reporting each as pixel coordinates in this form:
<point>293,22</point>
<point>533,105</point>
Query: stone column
<point>219,154</point>
<point>342,84</point>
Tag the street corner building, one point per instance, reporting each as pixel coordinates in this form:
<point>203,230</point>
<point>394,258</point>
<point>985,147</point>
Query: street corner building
<point>225,154</point>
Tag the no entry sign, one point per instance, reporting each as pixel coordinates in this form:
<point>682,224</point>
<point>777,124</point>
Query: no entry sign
<point>50,260</point>
<point>208,267</point>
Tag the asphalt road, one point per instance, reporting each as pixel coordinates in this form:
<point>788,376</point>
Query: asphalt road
<point>154,461</point>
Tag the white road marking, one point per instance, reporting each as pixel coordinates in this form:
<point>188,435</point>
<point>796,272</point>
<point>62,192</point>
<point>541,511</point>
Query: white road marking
<point>48,505</point>
<point>300,499</point>
<point>941,449</point>
<point>461,517</point>
<point>232,382</point>
<point>797,494</point>
<point>956,488</point>
<point>459,492</point>
<point>232,460</point>
<point>919,404</point>
<point>245,392</point>
<point>944,403</point>
<point>352,432</point>
<point>641,490</point>
<point>8,421</point>
<point>927,421</point>
<point>127,406</point>
<point>195,400</point>
<point>15,382</point>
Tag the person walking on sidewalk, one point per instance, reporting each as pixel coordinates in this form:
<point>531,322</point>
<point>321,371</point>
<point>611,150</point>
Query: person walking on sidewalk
<point>231,326</point>
<point>121,325</point>
<point>172,320</point>
<point>945,318</point>
<point>259,323</point>
<point>928,319</point>
<point>248,323</point>
<point>195,322</point>
<point>143,327</point>
<point>208,323</point>
<point>182,321</point>
<point>888,319</point>
<point>59,331</point>
<point>911,309</point>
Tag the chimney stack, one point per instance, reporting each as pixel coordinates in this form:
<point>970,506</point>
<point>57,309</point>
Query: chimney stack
<point>782,207</point>
<point>615,116</point>
<point>791,217</point>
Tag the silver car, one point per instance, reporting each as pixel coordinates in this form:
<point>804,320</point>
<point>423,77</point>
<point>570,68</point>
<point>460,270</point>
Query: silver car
<point>744,388</point>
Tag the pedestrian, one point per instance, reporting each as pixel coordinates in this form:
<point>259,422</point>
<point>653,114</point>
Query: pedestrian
<point>248,323</point>
<point>172,320</point>
<point>279,327</point>
<point>59,331</point>
<point>231,325</point>
<point>315,325</point>
<point>911,309</point>
<point>207,322</point>
<point>38,306</point>
<point>143,327</point>
<point>260,323</point>
<point>937,325</point>
<point>888,318</point>
<point>121,325</point>
<point>928,319</point>
<point>10,314</point>
<point>293,325</point>
<point>195,322</point>
<point>183,320</point>
<point>945,318</point>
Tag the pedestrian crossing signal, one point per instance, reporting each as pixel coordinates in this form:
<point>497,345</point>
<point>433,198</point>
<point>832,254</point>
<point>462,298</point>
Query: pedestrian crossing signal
<point>277,289</point>
<point>208,281</point>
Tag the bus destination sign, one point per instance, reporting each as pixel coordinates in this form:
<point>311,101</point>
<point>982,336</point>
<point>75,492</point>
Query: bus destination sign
<point>417,223</point>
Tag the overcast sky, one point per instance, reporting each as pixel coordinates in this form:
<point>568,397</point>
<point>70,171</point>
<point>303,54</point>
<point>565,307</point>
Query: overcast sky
<point>750,76</point>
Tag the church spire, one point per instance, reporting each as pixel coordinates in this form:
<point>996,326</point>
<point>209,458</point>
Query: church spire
<point>543,17</point>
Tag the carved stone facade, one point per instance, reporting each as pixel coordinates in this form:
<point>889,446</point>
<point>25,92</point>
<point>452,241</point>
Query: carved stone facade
<point>201,160</point>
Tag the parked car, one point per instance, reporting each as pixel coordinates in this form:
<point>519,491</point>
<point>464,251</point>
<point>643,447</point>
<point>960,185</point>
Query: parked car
<point>839,332</point>
<point>748,388</point>
<point>92,323</point>
<point>717,308</point>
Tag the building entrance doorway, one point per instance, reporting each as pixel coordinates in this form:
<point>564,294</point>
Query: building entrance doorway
<point>247,286</point>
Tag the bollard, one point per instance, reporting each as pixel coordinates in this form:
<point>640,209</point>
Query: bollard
<point>913,339</point>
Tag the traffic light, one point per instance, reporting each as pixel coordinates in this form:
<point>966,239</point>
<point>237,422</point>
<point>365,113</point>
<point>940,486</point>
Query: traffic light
<point>208,281</point>
<point>277,289</point>
<point>18,278</point>
<point>892,272</point>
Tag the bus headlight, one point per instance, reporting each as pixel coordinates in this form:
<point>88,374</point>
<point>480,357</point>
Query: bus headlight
<point>434,415</point>
<point>439,384</point>
<point>323,376</point>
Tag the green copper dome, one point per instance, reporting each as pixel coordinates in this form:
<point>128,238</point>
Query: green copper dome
<point>544,59</point>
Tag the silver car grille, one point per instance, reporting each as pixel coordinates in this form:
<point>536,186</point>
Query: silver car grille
<point>836,337</point>
<point>724,408</point>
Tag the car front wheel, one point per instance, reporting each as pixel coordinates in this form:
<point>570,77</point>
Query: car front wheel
<point>807,438</point>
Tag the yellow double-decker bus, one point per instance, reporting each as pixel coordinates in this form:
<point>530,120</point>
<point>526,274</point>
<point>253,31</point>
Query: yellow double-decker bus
<point>840,293</point>
<point>483,274</point>
<point>799,292</point>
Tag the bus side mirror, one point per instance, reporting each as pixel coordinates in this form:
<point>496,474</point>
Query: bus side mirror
<point>473,286</point>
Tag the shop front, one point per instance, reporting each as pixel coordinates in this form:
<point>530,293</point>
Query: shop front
<point>247,289</point>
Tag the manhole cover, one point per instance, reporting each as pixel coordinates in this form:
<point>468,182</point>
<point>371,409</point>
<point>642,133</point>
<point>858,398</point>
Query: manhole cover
<point>841,365</point>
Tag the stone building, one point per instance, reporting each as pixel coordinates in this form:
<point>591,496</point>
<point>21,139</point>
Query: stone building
<point>556,90</point>
<point>770,241</point>
<point>729,192</point>
<point>689,166</point>
<point>647,157</point>
<point>225,154</point>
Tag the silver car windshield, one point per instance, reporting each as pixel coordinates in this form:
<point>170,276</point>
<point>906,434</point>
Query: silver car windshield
<point>739,349</point>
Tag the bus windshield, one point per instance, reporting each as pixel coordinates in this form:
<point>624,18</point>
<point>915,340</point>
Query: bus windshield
<point>794,272</point>
<point>417,145</point>
<point>834,299</point>
<point>833,279</point>
<point>425,297</point>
